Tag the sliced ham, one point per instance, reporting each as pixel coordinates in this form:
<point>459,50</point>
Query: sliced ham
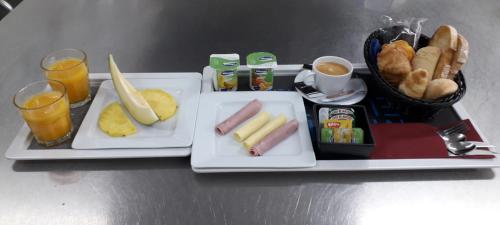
<point>274,138</point>
<point>239,117</point>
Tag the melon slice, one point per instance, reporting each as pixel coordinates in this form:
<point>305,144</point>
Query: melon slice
<point>136,105</point>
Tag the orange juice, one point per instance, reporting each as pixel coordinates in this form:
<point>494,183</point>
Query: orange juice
<point>48,116</point>
<point>73,73</point>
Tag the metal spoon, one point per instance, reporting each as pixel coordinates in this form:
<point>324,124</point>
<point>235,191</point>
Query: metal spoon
<point>341,96</point>
<point>463,147</point>
<point>459,137</point>
<point>6,5</point>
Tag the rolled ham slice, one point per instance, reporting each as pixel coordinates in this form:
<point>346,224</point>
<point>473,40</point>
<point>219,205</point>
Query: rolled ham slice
<point>274,138</point>
<point>239,117</point>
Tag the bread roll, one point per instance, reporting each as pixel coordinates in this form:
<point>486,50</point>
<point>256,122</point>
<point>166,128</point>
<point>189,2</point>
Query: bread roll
<point>415,83</point>
<point>460,57</point>
<point>443,67</point>
<point>439,88</point>
<point>445,37</point>
<point>426,58</point>
<point>393,63</point>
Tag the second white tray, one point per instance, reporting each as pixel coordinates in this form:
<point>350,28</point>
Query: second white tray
<point>20,146</point>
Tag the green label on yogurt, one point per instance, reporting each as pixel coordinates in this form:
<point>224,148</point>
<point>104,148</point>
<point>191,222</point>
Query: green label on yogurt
<point>261,60</point>
<point>224,61</point>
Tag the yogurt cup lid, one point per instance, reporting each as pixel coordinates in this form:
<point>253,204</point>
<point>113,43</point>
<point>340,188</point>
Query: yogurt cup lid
<point>260,60</point>
<point>224,61</point>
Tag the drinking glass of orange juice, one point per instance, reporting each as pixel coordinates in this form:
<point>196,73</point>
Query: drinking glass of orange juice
<point>44,105</point>
<point>70,67</point>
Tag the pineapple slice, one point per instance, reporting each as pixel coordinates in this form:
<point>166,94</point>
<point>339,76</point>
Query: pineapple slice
<point>115,122</point>
<point>163,104</point>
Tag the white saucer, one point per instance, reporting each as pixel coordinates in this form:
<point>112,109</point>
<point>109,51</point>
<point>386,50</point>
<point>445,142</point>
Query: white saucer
<point>354,84</point>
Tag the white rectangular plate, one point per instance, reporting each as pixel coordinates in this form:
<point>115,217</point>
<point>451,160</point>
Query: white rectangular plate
<point>177,131</point>
<point>213,151</point>
<point>19,148</point>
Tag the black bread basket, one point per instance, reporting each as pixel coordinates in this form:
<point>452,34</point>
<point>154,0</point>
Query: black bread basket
<point>408,106</point>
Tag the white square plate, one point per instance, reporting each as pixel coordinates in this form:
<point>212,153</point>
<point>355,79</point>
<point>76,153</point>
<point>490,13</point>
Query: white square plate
<point>177,131</point>
<point>213,151</point>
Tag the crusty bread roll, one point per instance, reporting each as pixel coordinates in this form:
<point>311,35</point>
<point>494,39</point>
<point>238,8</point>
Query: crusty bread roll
<point>445,37</point>
<point>444,64</point>
<point>460,57</point>
<point>439,88</point>
<point>415,83</point>
<point>393,63</point>
<point>426,58</point>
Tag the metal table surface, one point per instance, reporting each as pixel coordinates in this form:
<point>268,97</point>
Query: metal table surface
<point>176,35</point>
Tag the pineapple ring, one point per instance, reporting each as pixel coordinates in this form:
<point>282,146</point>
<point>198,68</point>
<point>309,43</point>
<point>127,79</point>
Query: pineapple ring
<point>115,122</point>
<point>163,104</point>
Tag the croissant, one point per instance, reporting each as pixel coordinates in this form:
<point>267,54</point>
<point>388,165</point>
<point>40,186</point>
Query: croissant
<point>393,63</point>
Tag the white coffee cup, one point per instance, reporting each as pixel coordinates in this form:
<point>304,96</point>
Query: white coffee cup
<point>331,84</point>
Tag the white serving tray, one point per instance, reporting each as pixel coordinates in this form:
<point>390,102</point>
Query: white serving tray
<point>19,148</point>
<point>363,164</point>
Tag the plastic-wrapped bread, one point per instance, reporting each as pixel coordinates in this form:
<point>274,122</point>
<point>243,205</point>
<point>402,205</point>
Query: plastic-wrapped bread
<point>239,117</point>
<point>264,131</point>
<point>253,125</point>
<point>274,138</point>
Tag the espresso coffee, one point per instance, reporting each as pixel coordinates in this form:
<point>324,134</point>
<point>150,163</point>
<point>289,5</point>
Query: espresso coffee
<point>332,68</point>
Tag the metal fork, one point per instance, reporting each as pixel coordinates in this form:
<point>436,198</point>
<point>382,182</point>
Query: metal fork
<point>461,127</point>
